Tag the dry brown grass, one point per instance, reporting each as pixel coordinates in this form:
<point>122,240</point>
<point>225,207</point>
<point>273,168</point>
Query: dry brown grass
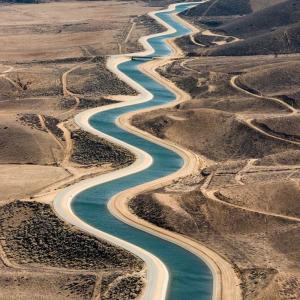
<point>19,181</point>
<point>65,29</point>
<point>21,144</point>
<point>41,42</point>
<point>259,246</point>
<point>275,78</point>
<point>206,131</point>
<point>245,205</point>
<point>281,197</point>
<point>261,4</point>
<point>40,266</point>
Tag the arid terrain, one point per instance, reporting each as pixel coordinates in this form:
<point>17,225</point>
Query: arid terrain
<point>43,258</point>
<point>41,92</point>
<point>52,66</point>
<point>242,121</point>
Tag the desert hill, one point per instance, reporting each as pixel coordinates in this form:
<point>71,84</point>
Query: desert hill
<point>273,30</point>
<point>282,41</point>
<point>266,20</point>
<point>280,80</point>
<point>221,8</point>
<point>242,122</point>
<point>200,131</point>
<point>229,7</point>
<point>244,28</point>
<point>261,4</point>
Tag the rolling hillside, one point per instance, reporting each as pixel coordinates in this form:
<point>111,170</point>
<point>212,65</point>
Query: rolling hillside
<point>285,40</point>
<point>261,4</point>
<point>273,30</point>
<point>221,8</point>
<point>265,20</point>
<point>230,7</point>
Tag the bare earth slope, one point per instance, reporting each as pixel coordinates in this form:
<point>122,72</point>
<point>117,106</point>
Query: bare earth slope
<point>65,29</point>
<point>270,18</point>
<point>220,8</point>
<point>261,4</point>
<point>281,41</point>
<point>242,123</point>
<point>272,30</point>
<point>53,66</point>
<point>59,72</point>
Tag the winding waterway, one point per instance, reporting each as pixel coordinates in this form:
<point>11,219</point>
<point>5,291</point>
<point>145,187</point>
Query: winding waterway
<point>190,277</point>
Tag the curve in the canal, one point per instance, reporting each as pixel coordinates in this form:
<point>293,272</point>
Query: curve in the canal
<point>190,277</point>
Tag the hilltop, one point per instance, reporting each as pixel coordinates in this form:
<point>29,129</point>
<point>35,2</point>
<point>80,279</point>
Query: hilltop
<point>263,21</point>
<point>245,29</point>
<point>273,30</point>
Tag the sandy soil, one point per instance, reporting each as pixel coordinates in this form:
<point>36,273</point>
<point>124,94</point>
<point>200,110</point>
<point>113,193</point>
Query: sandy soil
<point>25,180</point>
<point>39,139</point>
<point>232,205</point>
<point>277,277</point>
<point>65,29</point>
<point>63,41</point>
<point>122,212</point>
<point>223,289</point>
<point>22,144</point>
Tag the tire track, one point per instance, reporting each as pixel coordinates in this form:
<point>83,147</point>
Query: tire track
<point>157,273</point>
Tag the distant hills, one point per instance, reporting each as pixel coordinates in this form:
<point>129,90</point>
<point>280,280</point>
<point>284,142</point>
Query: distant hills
<point>284,40</point>
<point>272,30</point>
<point>268,19</point>
<point>230,7</point>
<point>221,8</point>
<point>21,1</point>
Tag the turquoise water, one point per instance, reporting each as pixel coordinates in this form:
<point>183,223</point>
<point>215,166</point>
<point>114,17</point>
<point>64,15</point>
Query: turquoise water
<point>190,277</point>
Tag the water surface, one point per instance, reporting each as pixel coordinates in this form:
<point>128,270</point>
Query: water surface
<point>190,277</point>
